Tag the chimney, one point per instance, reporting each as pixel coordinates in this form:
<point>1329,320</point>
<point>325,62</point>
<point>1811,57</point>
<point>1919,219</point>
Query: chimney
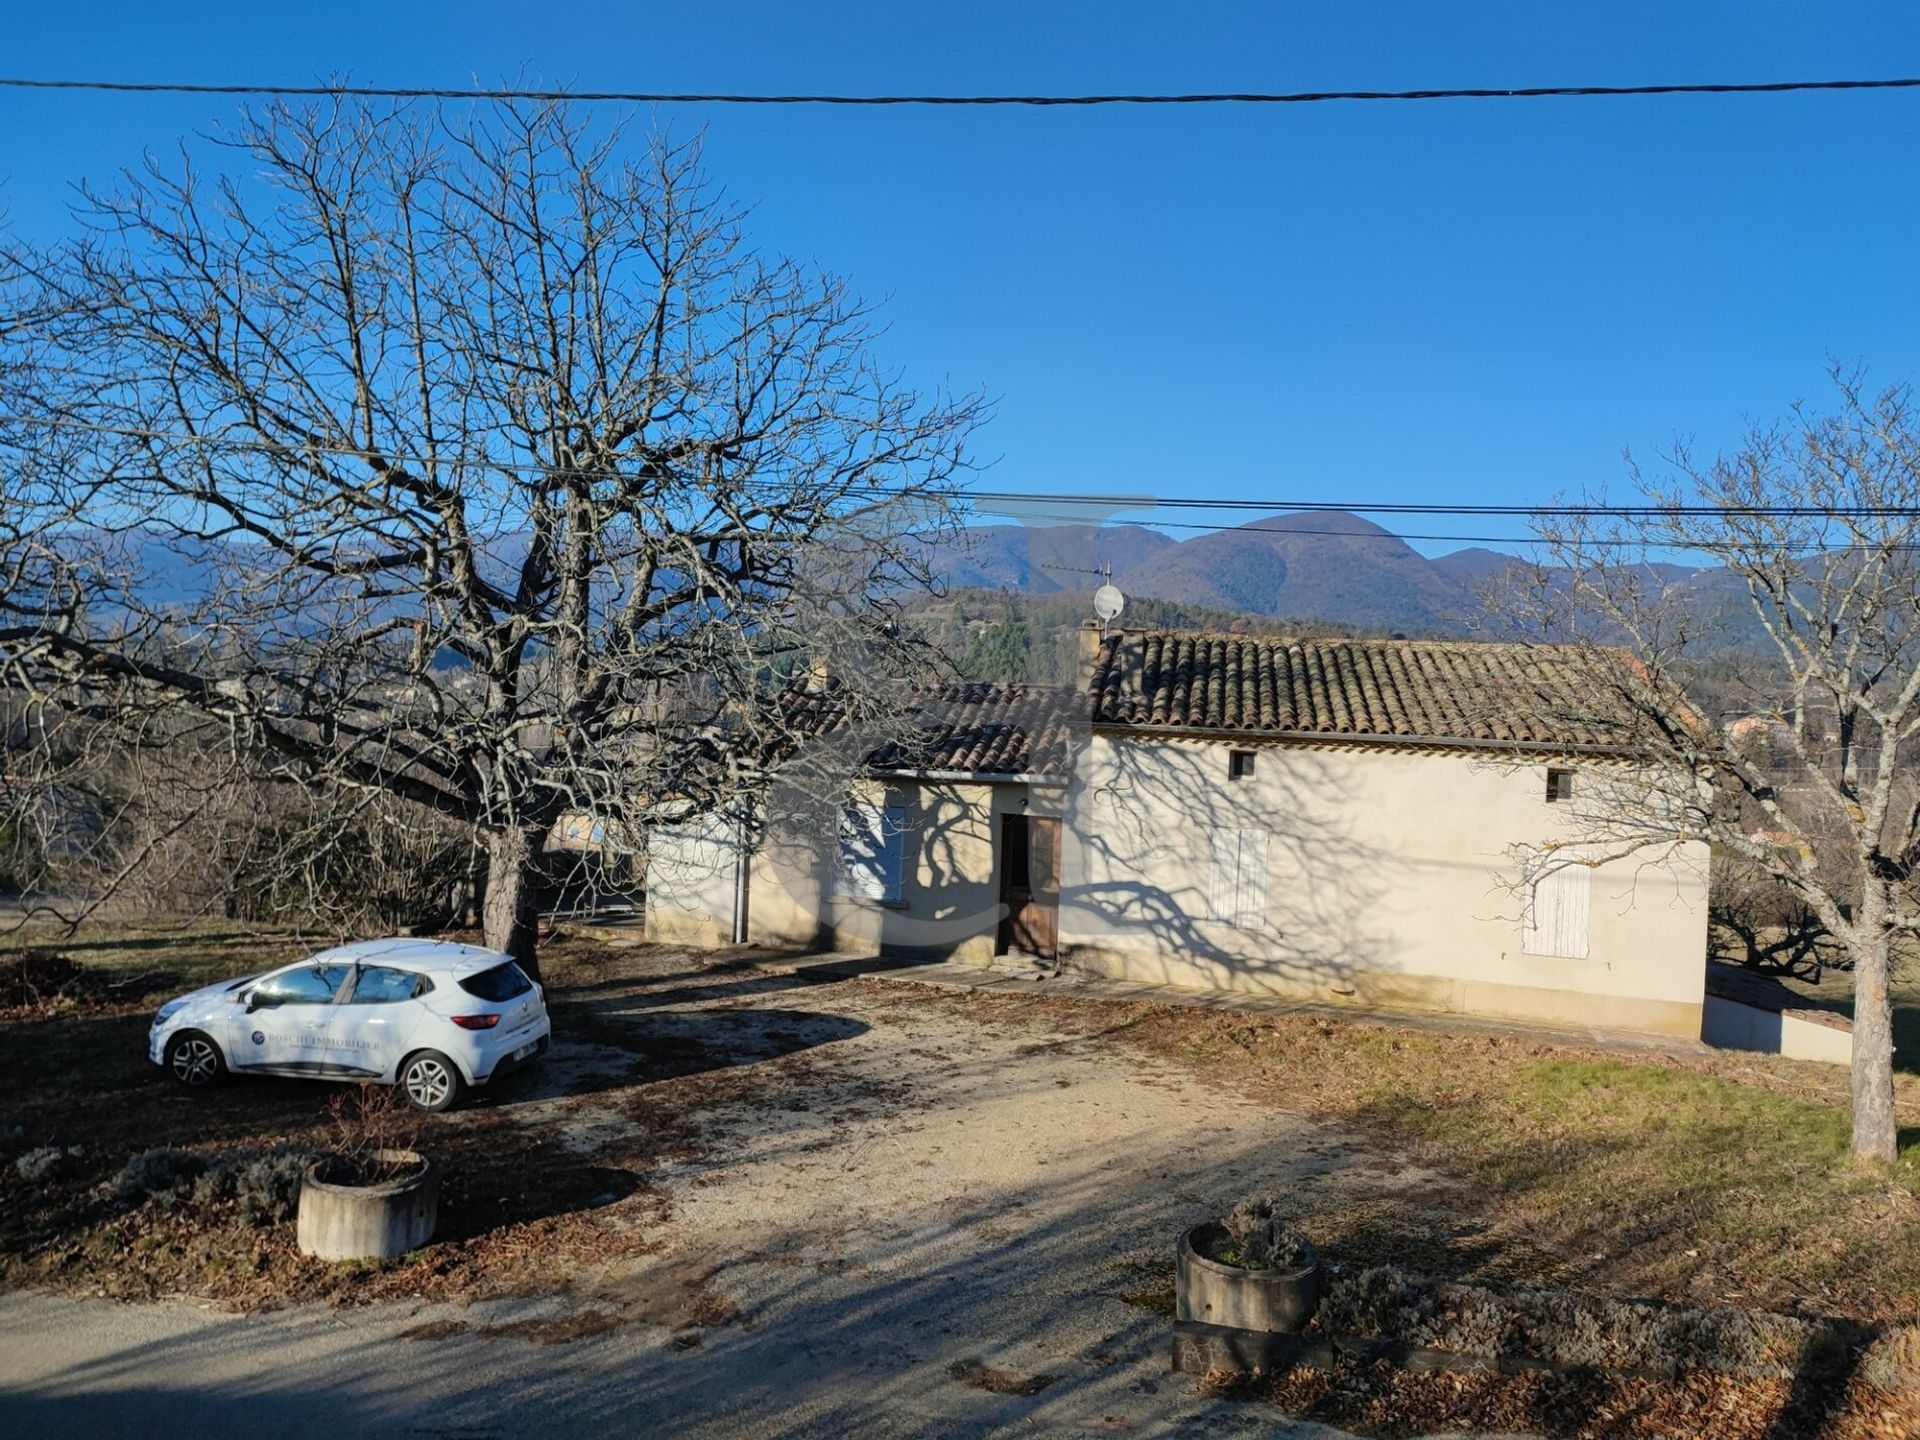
<point>1086,654</point>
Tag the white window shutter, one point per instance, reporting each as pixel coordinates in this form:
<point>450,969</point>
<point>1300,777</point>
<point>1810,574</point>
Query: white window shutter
<point>1237,888</point>
<point>846,858</point>
<point>1224,879</point>
<point>1250,899</point>
<point>1559,909</point>
<point>893,821</point>
<point>871,845</point>
<point>1576,911</point>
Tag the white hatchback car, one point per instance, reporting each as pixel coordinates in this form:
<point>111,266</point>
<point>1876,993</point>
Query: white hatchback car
<point>427,1015</point>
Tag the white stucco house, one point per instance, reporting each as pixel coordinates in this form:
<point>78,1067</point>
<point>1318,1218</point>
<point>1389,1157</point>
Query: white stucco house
<point>1382,822</point>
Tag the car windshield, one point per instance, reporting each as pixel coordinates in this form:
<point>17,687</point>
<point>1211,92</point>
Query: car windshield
<point>503,982</point>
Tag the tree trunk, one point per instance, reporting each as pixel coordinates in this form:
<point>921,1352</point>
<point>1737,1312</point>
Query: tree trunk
<point>1875,1131</point>
<point>509,915</point>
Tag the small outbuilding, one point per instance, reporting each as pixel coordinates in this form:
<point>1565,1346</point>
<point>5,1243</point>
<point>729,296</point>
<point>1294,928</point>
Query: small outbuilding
<point>1746,1010</point>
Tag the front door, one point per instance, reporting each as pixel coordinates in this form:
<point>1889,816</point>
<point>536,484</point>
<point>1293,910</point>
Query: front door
<point>1030,885</point>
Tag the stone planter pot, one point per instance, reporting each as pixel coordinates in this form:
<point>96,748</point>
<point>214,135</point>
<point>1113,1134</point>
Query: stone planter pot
<point>340,1221</point>
<point>1276,1302</point>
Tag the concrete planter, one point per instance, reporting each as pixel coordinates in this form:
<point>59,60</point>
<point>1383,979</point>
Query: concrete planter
<point>1274,1302</point>
<point>341,1221</point>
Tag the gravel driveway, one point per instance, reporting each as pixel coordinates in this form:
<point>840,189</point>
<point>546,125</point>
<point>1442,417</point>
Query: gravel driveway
<point>905,1212</point>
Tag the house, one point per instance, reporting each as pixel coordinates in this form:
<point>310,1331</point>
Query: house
<point>1386,822</point>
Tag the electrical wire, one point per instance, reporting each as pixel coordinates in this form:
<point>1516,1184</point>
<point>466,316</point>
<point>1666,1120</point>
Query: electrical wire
<point>1244,97</point>
<point>988,501</point>
<point>1020,502</point>
<point>1188,502</point>
<point>1018,498</point>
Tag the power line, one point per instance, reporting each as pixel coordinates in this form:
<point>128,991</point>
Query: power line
<point>1602,542</point>
<point>1245,97</point>
<point>1021,501</point>
<point>1364,507</point>
<point>1256,528</point>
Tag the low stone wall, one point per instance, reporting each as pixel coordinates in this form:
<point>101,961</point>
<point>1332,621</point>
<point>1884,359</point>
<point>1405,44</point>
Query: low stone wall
<point>1797,1034</point>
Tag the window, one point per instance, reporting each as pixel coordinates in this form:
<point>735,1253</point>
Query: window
<point>869,858</point>
<point>1558,907</point>
<point>381,985</point>
<point>1559,785</point>
<point>502,982</point>
<point>1240,765</point>
<point>310,985</point>
<point>1238,894</point>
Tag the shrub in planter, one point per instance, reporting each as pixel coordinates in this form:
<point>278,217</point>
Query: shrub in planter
<point>375,1196</point>
<point>1250,1270</point>
<point>1258,1237</point>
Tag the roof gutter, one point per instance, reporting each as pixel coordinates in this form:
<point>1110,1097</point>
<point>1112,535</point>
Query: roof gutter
<point>1343,737</point>
<point>984,777</point>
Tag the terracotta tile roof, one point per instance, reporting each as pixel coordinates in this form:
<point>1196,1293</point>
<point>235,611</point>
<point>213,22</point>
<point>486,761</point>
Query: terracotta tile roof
<point>1410,689</point>
<point>981,729</point>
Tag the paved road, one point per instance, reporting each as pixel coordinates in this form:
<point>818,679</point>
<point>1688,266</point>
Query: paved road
<point>78,1369</point>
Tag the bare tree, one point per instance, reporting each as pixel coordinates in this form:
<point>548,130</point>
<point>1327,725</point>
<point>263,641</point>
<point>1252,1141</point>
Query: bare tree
<point>459,458</point>
<point>1805,772</point>
<point>1761,924</point>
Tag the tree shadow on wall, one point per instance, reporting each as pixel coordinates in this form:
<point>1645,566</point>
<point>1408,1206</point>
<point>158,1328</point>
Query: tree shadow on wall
<point>1149,823</point>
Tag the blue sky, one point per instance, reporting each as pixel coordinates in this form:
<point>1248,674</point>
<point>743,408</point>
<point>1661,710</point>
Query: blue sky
<point>1449,302</point>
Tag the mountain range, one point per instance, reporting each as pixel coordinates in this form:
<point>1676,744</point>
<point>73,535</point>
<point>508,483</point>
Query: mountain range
<point>1330,568</point>
<point>1324,566</point>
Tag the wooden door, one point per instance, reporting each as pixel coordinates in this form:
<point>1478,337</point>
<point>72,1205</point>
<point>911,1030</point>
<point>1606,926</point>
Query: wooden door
<point>1030,885</point>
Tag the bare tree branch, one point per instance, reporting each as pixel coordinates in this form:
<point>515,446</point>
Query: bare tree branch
<point>456,458</point>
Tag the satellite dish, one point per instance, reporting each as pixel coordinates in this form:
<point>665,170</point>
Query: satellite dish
<point>1108,602</point>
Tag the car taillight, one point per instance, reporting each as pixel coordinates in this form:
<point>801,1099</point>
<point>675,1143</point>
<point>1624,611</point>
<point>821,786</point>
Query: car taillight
<point>476,1022</point>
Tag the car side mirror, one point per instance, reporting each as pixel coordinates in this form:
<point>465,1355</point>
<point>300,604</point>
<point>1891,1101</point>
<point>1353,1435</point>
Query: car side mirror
<point>253,1000</point>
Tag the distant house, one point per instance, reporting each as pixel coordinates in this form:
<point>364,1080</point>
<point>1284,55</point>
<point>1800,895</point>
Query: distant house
<point>1395,823</point>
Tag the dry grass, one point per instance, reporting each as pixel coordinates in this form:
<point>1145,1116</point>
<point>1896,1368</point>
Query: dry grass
<point>1722,1180</point>
<point>1378,1400</point>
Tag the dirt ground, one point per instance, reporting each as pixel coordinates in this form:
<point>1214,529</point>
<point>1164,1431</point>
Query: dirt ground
<point>779,1204</point>
<point>853,1202</point>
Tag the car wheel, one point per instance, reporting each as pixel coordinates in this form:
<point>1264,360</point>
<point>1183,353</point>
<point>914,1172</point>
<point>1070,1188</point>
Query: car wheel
<point>194,1060</point>
<point>430,1081</point>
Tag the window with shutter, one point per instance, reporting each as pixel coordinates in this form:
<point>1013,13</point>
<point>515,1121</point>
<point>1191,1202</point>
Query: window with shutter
<point>871,851</point>
<point>1237,890</point>
<point>1558,910</point>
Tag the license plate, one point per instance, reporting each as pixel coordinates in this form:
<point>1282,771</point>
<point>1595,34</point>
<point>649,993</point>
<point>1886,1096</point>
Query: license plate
<point>524,1051</point>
